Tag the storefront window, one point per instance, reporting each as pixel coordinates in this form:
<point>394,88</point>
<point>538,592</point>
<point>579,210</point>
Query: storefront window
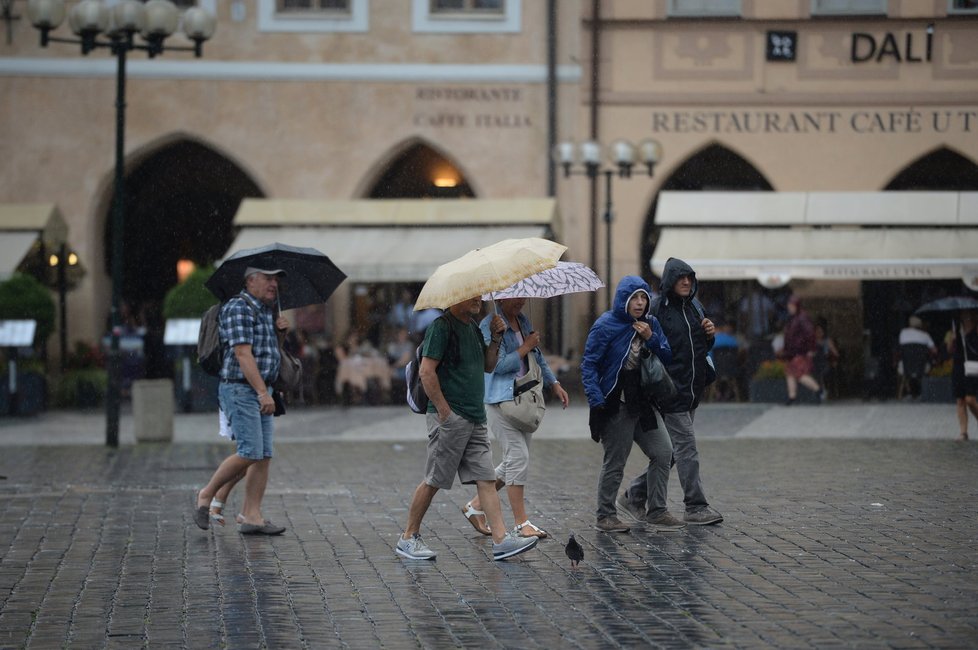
<point>962,7</point>
<point>468,6</point>
<point>330,6</point>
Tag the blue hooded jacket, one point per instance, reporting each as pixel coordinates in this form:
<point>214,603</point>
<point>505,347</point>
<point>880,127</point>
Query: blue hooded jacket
<point>609,340</point>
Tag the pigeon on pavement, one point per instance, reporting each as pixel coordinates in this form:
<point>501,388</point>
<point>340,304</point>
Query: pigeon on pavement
<point>574,551</point>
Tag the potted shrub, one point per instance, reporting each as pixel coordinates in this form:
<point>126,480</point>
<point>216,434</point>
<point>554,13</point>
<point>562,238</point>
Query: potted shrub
<point>936,385</point>
<point>190,299</point>
<point>767,384</point>
<point>22,297</point>
<point>85,380</point>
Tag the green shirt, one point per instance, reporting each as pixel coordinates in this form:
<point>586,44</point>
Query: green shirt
<point>462,380</point>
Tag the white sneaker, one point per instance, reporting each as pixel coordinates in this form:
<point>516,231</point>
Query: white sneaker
<point>511,545</point>
<point>414,548</point>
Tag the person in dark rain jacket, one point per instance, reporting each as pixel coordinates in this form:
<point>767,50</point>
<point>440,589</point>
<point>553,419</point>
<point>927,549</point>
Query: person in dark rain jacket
<point>620,412</point>
<point>690,336</point>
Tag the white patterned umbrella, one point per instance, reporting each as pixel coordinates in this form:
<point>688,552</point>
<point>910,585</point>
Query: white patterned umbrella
<point>487,269</point>
<point>566,277</point>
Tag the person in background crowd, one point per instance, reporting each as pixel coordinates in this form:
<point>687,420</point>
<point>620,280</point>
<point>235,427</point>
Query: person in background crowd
<point>964,345</point>
<point>799,351</point>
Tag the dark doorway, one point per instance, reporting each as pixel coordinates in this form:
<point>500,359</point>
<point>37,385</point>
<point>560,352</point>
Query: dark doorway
<point>887,305</point>
<point>181,200</point>
<point>420,172</point>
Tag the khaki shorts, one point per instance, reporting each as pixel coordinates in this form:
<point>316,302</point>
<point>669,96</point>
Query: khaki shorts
<point>457,446</point>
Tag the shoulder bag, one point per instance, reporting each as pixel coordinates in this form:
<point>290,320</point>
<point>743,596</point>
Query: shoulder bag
<point>527,408</point>
<point>656,382</point>
<point>970,365</point>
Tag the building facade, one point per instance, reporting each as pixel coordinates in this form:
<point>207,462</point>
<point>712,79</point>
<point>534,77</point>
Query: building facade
<point>829,103</point>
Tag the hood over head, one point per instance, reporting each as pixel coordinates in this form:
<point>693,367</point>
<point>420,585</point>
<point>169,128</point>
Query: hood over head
<point>674,269</point>
<point>626,288</point>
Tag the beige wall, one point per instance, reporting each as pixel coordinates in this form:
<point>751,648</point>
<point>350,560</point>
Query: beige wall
<point>318,138</point>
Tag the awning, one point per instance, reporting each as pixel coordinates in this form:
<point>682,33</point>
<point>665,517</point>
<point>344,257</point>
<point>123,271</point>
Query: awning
<point>776,255</point>
<point>22,225</point>
<point>773,237</point>
<point>391,240</point>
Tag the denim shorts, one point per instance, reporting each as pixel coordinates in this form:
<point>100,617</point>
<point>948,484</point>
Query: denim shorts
<point>252,430</point>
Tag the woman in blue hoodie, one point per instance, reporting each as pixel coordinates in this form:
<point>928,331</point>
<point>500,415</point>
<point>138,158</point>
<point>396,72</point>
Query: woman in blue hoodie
<point>620,412</point>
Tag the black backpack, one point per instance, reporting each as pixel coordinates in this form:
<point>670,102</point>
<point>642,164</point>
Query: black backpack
<point>417,398</point>
<point>210,352</point>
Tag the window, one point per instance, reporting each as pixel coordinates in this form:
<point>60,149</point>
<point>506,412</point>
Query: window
<point>848,7</point>
<point>313,16</point>
<point>466,16</point>
<point>313,6</point>
<point>470,7</point>
<point>704,8</point>
<point>962,7</point>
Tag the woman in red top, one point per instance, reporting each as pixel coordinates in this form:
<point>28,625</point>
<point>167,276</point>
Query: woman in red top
<point>799,351</point>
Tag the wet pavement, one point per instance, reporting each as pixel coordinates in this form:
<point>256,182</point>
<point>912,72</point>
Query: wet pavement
<point>849,525</point>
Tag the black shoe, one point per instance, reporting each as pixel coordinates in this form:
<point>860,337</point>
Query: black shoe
<point>791,401</point>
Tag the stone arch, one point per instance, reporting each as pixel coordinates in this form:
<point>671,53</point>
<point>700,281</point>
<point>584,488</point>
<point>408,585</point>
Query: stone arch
<point>943,169</point>
<point>409,170</point>
<point>714,167</point>
<point>182,195</point>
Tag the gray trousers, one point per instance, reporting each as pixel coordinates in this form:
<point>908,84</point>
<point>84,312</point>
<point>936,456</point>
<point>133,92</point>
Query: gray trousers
<point>617,437</point>
<point>680,428</point>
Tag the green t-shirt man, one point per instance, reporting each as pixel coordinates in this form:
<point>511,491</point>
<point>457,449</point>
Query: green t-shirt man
<point>462,380</point>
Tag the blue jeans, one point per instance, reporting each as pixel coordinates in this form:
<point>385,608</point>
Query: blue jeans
<point>252,430</point>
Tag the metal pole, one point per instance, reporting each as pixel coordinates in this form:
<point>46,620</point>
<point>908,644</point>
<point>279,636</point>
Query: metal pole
<point>62,304</point>
<point>609,216</point>
<point>113,397</point>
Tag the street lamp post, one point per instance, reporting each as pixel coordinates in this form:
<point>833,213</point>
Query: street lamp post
<point>586,159</point>
<point>154,21</point>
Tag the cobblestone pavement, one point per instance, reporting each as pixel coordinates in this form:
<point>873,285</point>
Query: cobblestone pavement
<point>827,542</point>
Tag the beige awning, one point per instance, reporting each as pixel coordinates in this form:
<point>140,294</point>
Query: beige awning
<point>776,255</point>
<point>391,240</point>
<point>21,225</point>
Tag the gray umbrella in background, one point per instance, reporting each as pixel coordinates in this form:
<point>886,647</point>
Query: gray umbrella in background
<point>951,303</point>
<point>565,278</point>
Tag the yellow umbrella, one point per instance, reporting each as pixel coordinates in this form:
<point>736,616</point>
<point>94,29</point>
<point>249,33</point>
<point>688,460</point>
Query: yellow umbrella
<point>488,269</point>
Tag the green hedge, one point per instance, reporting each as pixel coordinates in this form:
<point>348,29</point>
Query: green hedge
<point>190,298</point>
<point>22,297</point>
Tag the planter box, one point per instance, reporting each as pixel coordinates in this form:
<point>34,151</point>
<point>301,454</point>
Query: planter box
<point>936,389</point>
<point>152,410</point>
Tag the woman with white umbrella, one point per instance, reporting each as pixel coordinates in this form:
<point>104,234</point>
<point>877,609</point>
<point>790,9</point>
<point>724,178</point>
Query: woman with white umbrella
<point>518,351</point>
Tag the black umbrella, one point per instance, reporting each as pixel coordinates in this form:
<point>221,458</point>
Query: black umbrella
<point>310,276</point>
<point>952,303</point>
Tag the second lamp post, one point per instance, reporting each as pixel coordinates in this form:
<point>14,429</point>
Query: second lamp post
<point>586,158</point>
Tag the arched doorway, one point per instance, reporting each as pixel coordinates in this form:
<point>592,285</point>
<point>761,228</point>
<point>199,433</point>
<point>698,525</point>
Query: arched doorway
<point>416,170</point>
<point>181,201</point>
<point>888,304</point>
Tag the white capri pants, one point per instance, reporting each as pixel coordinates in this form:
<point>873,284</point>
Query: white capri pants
<point>515,465</point>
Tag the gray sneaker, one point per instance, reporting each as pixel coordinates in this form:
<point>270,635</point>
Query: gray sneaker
<point>628,510</point>
<point>665,523</point>
<point>611,524</point>
<point>414,548</point>
<point>511,545</point>
<point>703,517</point>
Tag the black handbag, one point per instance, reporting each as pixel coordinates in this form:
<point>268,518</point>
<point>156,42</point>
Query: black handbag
<point>656,382</point>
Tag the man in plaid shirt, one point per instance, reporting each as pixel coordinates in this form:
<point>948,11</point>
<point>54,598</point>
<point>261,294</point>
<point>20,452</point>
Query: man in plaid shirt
<point>251,337</point>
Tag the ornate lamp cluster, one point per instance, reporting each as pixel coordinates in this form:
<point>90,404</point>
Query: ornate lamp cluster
<point>154,21</point>
<point>586,158</point>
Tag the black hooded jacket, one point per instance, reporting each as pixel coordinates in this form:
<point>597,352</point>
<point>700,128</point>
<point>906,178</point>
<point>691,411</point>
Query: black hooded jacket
<point>681,321</point>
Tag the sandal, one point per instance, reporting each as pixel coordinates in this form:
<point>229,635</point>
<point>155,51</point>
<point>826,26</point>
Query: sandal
<point>471,514</point>
<point>216,516</point>
<point>532,532</point>
<point>963,437</point>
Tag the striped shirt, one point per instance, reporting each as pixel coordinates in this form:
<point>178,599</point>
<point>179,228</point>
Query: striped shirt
<point>245,320</point>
